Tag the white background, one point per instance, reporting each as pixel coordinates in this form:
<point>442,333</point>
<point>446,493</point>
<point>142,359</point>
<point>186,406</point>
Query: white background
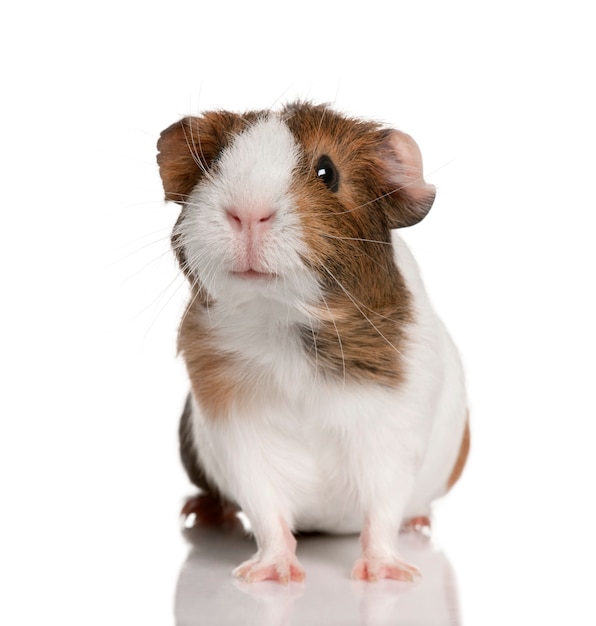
<point>499,96</point>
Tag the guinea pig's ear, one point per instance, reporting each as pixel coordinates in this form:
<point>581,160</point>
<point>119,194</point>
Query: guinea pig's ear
<point>179,158</point>
<point>187,149</point>
<point>411,197</point>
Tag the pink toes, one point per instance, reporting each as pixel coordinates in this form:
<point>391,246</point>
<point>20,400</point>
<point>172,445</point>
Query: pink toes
<point>282,570</point>
<point>372,570</point>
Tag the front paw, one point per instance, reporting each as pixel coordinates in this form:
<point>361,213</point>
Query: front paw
<point>281,569</point>
<point>373,569</point>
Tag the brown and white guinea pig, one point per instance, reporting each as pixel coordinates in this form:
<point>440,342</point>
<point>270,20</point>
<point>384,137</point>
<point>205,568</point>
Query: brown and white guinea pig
<point>326,393</point>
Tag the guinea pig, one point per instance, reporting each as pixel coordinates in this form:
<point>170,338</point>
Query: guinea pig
<point>326,394</point>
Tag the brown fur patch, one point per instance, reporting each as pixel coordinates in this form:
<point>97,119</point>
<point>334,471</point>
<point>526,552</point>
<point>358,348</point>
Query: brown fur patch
<point>219,379</point>
<point>461,458</point>
<point>357,342</point>
<point>367,305</point>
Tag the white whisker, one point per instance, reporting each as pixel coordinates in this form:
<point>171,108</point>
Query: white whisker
<point>163,307</point>
<point>384,243</point>
<point>139,250</point>
<point>339,341</point>
<point>355,303</point>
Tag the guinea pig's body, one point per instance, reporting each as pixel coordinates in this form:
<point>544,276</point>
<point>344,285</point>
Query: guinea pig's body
<point>325,392</point>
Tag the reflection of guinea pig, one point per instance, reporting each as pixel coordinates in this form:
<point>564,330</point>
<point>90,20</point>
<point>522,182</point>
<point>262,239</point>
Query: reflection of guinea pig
<point>326,393</point>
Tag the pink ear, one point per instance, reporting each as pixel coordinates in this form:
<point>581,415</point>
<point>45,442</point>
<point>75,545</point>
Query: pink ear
<point>407,168</point>
<point>413,195</point>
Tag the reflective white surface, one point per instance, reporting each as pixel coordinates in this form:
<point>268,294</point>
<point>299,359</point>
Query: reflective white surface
<point>500,98</point>
<point>328,597</point>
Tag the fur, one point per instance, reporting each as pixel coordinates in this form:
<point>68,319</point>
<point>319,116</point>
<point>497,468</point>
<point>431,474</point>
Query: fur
<point>326,393</point>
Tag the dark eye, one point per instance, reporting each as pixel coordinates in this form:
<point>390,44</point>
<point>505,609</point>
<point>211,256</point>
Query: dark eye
<point>328,173</point>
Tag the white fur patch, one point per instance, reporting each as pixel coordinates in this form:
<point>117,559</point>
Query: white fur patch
<point>326,455</point>
<point>253,173</point>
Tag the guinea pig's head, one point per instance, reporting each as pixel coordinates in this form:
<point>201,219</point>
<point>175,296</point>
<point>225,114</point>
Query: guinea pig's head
<point>288,203</point>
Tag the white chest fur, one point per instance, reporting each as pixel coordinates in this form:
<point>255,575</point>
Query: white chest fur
<point>323,451</point>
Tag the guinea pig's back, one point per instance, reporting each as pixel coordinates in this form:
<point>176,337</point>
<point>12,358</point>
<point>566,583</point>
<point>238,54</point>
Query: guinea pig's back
<point>433,354</point>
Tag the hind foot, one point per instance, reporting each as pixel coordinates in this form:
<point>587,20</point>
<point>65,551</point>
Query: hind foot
<point>420,524</point>
<point>206,509</point>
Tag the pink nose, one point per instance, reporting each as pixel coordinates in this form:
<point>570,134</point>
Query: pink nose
<point>253,221</point>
